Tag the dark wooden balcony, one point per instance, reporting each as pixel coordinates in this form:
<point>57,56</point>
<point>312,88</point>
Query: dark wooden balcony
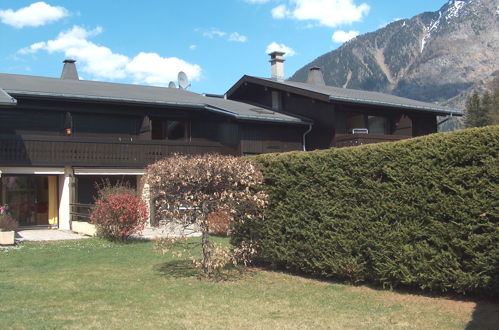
<point>60,151</point>
<point>350,140</point>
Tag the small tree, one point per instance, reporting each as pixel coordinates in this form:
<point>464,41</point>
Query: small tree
<point>187,189</point>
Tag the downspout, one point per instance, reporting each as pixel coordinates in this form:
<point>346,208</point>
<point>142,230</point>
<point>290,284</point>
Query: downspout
<point>444,120</point>
<point>305,137</point>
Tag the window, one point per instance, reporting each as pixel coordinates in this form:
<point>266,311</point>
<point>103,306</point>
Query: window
<point>377,125</point>
<point>352,120</point>
<point>276,100</point>
<point>174,130</point>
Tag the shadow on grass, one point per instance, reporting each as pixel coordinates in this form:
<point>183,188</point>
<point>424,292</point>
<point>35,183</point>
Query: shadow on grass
<point>485,316</point>
<point>186,269</point>
<point>178,269</point>
<point>488,303</point>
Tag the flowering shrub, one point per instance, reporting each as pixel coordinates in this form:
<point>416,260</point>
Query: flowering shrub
<point>119,215</point>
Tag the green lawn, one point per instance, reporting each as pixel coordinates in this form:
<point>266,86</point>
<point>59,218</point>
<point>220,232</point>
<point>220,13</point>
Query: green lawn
<point>96,284</point>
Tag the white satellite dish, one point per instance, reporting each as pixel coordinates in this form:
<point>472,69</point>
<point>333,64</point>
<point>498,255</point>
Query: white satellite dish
<point>172,85</point>
<point>183,81</point>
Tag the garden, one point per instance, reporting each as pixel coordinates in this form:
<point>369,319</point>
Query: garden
<point>393,235</point>
<point>95,283</point>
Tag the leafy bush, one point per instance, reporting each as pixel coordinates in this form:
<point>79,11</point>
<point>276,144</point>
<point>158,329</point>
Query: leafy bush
<point>118,212</point>
<point>420,213</point>
<point>7,223</point>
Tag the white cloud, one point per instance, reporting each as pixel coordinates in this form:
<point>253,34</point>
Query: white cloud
<point>216,33</point>
<point>102,63</point>
<point>343,36</point>
<point>193,47</point>
<point>274,46</point>
<point>280,11</point>
<point>326,12</point>
<point>235,36</point>
<point>36,14</point>
<point>152,69</point>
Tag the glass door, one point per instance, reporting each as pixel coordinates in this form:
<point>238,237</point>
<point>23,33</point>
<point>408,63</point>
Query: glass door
<point>25,198</point>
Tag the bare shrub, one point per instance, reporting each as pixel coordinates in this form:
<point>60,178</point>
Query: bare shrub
<point>186,189</point>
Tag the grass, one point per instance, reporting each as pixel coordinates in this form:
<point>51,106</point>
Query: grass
<point>97,284</point>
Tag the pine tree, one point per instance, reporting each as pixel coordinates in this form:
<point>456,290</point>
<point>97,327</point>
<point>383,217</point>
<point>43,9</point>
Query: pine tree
<point>473,110</point>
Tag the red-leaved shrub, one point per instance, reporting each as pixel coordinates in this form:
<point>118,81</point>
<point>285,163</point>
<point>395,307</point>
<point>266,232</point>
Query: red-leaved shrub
<point>117,216</point>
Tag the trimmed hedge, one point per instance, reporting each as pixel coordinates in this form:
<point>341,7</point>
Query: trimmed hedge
<point>420,213</point>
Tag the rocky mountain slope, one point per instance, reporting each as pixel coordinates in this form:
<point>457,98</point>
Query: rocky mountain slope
<point>435,56</point>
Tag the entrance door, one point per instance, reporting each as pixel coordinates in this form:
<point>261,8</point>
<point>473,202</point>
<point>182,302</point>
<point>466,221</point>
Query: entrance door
<point>26,198</point>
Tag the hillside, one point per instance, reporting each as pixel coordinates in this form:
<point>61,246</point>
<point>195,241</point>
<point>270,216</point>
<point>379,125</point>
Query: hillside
<point>436,56</point>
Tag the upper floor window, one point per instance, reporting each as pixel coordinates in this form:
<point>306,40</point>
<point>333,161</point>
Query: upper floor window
<point>276,100</point>
<point>162,129</point>
<point>356,120</point>
<point>378,125</point>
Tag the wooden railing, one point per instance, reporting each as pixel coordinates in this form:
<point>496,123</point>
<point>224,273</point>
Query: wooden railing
<point>350,140</point>
<point>80,212</point>
<point>60,151</point>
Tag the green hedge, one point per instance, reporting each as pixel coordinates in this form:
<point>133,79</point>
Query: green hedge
<point>420,213</point>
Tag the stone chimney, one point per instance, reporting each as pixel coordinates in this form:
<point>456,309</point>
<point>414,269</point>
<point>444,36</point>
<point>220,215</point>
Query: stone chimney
<point>315,76</point>
<point>277,64</point>
<point>69,70</point>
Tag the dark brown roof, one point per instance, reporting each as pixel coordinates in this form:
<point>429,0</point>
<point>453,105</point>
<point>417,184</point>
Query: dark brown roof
<point>95,91</point>
<point>329,93</point>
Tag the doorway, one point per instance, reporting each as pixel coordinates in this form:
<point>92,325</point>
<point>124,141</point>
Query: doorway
<point>30,199</point>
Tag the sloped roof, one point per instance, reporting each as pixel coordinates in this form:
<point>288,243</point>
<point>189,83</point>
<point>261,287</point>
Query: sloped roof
<point>329,93</point>
<point>95,91</point>
<point>6,99</point>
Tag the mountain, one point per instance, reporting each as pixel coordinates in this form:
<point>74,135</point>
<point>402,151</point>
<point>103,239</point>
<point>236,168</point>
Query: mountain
<point>437,56</point>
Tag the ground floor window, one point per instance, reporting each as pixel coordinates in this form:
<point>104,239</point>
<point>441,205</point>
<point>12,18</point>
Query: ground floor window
<point>87,185</point>
<point>30,199</point>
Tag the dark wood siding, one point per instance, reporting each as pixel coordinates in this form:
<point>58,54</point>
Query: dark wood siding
<point>31,122</point>
<point>258,139</point>
<point>333,119</point>
<point>50,151</point>
<point>97,125</point>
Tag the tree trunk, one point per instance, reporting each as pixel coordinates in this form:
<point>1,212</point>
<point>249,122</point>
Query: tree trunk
<point>205,242</point>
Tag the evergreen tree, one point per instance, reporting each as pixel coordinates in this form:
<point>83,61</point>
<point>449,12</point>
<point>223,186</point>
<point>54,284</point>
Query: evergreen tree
<point>473,110</point>
<point>483,111</point>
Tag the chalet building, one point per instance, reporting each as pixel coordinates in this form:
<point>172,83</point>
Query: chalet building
<point>342,117</point>
<point>59,136</point>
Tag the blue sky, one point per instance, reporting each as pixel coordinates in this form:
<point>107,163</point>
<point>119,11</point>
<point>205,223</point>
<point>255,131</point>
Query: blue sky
<point>214,42</point>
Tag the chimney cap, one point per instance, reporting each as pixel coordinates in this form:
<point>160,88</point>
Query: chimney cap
<point>315,76</point>
<point>69,71</point>
<point>277,52</point>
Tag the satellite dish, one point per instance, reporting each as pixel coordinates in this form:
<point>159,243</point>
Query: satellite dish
<point>172,85</point>
<point>183,81</point>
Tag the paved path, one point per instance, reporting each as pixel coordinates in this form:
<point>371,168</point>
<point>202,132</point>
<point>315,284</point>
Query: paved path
<point>47,235</point>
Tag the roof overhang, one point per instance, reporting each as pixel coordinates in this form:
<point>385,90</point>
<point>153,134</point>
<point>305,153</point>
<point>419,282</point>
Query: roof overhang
<point>438,111</point>
<point>115,100</point>
<point>281,85</point>
<point>6,99</point>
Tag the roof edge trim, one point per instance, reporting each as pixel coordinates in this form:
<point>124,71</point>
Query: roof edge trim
<point>8,100</point>
<point>398,105</point>
<point>178,104</point>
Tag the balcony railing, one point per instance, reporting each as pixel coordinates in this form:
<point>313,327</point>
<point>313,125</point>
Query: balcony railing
<point>350,140</point>
<point>60,151</point>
